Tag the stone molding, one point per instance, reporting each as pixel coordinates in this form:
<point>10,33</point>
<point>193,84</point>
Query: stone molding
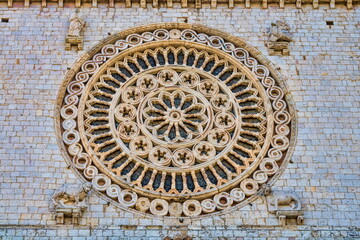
<point>225,54</point>
<point>264,4</point>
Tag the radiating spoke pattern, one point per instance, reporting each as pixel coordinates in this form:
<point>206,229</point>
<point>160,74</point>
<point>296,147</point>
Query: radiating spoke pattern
<point>175,116</point>
<point>194,125</point>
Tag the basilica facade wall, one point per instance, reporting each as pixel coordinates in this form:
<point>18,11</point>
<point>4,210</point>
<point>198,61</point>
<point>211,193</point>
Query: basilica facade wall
<point>322,75</point>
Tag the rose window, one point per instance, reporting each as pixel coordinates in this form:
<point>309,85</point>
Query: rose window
<point>175,122</point>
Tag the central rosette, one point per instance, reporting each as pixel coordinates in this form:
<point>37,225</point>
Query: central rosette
<point>175,117</point>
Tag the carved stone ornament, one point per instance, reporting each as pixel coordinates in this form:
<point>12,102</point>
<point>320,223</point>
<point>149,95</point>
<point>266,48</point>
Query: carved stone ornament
<point>162,114</point>
<point>70,201</point>
<point>279,39</point>
<point>285,204</point>
<point>74,36</point>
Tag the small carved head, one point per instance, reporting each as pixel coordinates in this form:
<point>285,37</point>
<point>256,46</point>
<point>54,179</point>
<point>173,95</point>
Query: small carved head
<point>87,187</point>
<point>267,189</point>
<point>74,16</point>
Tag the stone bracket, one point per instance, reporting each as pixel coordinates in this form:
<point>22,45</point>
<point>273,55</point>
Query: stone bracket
<point>193,3</point>
<point>283,215</point>
<point>74,41</point>
<point>74,213</point>
<point>278,48</point>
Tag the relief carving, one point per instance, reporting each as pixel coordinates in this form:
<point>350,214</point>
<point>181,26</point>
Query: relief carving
<point>70,200</point>
<point>285,204</point>
<point>189,114</point>
<point>279,38</point>
<point>74,36</point>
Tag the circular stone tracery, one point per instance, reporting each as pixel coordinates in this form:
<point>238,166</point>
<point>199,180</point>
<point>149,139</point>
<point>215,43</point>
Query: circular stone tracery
<point>174,116</point>
<point>193,116</point>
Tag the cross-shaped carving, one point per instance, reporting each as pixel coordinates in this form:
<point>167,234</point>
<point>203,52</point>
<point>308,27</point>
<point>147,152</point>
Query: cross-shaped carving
<point>183,157</point>
<point>219,136</point>
<point>208,87</point>
<point>129,130</point>
<point>189,79</point>
<point>168,76</point>
<point>225,120</point>
<point>148,82</point>
<point>204,150</point>
<point>132,94</point>
<point>221,102</point>
<point>126,112</point>
<point>140,145</point>
<point>160,155</point>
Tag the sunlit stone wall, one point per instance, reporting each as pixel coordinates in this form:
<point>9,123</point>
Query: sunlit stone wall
<point>322,73</point>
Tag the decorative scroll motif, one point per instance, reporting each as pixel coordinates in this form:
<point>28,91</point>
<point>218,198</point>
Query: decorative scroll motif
<point>186,115</point>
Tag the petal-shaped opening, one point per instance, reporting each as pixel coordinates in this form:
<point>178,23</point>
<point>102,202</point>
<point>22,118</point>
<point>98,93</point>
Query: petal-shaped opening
<point>188,102</point>
<point>158,104</point>
<point>155,122</point>
<point>152,112</point>
<point>195,108</point>
<point>198,118</point>
<point>177,98</point>
<point>167,99</point>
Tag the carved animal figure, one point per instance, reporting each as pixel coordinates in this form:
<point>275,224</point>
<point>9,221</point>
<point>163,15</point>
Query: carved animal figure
<point>71,196</point>
<point>284,199</point>
<point>279,31</point>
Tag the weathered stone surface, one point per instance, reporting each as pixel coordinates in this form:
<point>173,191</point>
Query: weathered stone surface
<point>322,75</point>
<point>70,201</point>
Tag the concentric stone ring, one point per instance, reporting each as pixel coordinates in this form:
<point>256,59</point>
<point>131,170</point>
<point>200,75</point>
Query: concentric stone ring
<point>167,117</point>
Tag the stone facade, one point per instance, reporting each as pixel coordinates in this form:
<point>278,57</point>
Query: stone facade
<point>322,74</point>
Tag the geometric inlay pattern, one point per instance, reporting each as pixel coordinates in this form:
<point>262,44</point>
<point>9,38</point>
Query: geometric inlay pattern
<point>174,122</point>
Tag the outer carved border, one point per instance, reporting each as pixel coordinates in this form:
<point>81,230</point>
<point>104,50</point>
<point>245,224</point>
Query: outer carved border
<point>237,41</point>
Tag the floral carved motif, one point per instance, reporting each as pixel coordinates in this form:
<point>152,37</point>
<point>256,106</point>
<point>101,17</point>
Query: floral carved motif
<point>161,116</point>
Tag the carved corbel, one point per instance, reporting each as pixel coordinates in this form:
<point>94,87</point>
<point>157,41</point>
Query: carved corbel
<point>198,4</point>
<point>282,4</point>
<point>231,3</point>
<point>349,4</point>
<point>74,36</point>
<point>315,4</point>
<point>70,201</point>
<point>155,3</point>
<point>285,205</point>
<point>279,38</point>
<point>332,4</point>
<point>184,4</point>
<point>264,4</point>
<point>213,3</point>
